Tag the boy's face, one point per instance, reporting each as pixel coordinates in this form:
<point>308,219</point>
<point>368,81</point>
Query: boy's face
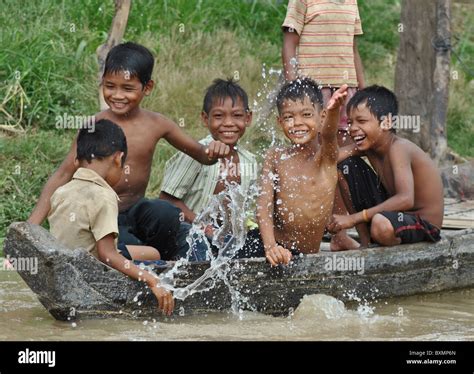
<point>123,92</point>
<point>300,120</point>
<point>365,128</point>
<point>225,122</point>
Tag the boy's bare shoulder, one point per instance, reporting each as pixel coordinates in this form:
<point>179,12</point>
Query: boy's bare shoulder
<point>153,122</point>
<point>404,147</point>
<point>158,121</point>
<point>275,153</point>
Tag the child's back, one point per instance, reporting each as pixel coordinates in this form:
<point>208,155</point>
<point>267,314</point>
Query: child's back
<point>83,211</point>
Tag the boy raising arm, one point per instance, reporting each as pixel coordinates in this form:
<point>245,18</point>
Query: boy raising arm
<point>298,182</point>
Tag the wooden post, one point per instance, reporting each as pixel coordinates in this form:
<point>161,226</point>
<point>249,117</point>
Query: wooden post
<point>441,78</point>
<point>117,30</point>
<point>423,72</point>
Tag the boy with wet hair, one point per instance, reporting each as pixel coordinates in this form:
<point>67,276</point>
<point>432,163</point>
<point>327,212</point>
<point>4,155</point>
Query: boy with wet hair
<point>125,83</point>
<point>84,211</point>
<point>189,185</point>
<point>298,182</point>
<point>411,203</point>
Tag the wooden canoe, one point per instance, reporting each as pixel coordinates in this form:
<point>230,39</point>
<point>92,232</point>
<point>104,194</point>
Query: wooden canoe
<point>72,284</point>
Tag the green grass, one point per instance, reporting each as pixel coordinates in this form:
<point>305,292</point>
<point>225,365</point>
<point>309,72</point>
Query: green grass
<point>49,48</point>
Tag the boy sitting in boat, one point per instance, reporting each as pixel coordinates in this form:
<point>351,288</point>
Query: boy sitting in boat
<point>84,211</point>
<point>125,83</point>
<point>412,210</point>
<point>298,182</point>
<point>190,185</point>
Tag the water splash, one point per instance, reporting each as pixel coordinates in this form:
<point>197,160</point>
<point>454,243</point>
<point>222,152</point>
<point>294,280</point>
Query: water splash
<point>227,212</point>
<point>320,305</point>
<point>263,134</point>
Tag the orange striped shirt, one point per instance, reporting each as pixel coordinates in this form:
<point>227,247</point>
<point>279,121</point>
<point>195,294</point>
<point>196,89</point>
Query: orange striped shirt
<point>326,29</point>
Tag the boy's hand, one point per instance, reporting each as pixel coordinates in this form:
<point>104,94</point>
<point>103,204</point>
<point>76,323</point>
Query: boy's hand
<point>338,98</point>
<point>165,299</point>
<point>217,149</point>
<point>278,255</point>
<point>340,222</point>
<point>209,231</point>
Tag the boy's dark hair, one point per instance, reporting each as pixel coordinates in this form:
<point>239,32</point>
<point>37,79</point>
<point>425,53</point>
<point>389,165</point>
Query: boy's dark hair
<point>380,101</point>
<point>106,139</point>
<point>131,57</point>
<point>297,90</point>
<point>220,89</point>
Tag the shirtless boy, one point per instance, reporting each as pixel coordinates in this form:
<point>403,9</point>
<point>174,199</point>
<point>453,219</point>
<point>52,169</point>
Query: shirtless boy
<point>298,182</point>
<point>412,210</point>
<point>126,82</point>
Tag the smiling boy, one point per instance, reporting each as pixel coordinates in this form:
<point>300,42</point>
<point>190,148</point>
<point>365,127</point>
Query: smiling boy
<point>414,208</point>
<point>190,185</point>
<point>298,182</point>
<point>126,82</point>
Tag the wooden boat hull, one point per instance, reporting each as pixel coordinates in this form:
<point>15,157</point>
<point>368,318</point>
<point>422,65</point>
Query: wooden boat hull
<point>72,284</point>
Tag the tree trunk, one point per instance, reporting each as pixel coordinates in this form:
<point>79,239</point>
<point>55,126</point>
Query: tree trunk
<point>119,23</point>
<point>441,78</point>
<point>422,73</point>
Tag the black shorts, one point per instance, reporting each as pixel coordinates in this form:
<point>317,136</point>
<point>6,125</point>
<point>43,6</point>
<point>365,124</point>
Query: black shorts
<point>365,187</point>
<point>410,228</point>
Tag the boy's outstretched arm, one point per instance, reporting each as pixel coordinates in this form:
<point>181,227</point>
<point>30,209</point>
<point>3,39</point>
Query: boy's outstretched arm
<point>182,141</point>
<point>329,149</point>
<point>274,253</point>
<point>291,39</point>
<point>348,151</point>
<point>60,177</point>
<point>108,255</point>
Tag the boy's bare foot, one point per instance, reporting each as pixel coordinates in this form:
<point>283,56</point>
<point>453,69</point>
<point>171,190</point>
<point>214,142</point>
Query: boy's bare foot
<point>342,242</point>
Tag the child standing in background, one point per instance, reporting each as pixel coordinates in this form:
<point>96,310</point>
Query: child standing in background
<point>319,41</point>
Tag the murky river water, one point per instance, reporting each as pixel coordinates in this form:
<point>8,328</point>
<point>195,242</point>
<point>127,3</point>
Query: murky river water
<point>442,316</point>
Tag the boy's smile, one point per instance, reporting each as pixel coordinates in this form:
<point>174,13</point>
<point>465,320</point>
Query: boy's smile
<point>300,120</point>
<point>227,123</point>
<point>123,93</point>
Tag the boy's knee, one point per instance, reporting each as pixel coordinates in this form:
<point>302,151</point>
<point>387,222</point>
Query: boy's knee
<point>381,230</point>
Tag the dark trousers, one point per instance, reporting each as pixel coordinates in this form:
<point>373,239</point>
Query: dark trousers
<point>151,222</point>
<point>365,187</point>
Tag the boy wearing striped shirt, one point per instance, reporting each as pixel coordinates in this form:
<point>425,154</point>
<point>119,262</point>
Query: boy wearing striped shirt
<point>190,185</point>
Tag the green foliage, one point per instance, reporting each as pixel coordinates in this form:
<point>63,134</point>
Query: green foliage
<point>49,46</point>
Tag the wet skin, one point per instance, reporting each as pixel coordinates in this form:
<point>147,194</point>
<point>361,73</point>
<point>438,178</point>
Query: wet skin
<point>298,182</point>
<point>410,177</point>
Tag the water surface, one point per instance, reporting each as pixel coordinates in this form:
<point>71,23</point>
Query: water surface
<point>440,316</point>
